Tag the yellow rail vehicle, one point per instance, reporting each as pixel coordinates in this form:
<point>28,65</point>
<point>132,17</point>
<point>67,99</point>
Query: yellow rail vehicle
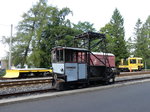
<point>23,73</point>
<point>131,64</point>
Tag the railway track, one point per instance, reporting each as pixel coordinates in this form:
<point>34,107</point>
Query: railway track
<point>133,73</point>
<point>17,87</point>
<point>11,84</point>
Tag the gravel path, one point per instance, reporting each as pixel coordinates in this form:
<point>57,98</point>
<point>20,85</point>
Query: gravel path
<point>24,88</point>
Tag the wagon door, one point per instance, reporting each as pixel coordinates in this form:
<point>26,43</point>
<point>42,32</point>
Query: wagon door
<point>82,70</point>
<point>71,71</point>
<point>82,65</point>
<point>71,65</point>
<point>75,64</point>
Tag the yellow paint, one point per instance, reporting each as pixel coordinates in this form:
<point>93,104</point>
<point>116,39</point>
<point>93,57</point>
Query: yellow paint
<point>11,74</point>
<point>15,73</point>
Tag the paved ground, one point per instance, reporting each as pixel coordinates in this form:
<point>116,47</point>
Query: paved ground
<point>131,98</point>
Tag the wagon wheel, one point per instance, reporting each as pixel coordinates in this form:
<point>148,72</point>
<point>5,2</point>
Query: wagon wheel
<point>46,74</point>
<point>109,76</point>
<point>57,83</point>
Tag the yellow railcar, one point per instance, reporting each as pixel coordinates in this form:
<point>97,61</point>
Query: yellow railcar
<point>131,64</point>
<point>23,73</point>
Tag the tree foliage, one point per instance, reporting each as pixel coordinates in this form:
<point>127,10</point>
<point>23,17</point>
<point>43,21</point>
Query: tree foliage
<point>33,43</point>
<point>107,30</point>
<point>42,28</point>
<point>84,26</point>
<point>115,34</point>
<point>138,45</point>
<point>141,40</point>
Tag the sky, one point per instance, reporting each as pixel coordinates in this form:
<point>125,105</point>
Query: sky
<point>98,12</point>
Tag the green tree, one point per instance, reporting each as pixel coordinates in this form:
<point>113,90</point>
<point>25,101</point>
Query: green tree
<point>56,29</point>
<point>120,48</point>
<point>134,44</point>
<point>142,40</point>
<point>146,36</point>
<point>107,30</point>
<point>115,34</point>
<point>138,43</point>
<point>84,26</point>
<point>28,37</point>
<point>130,46</point>
<point>38,32</point>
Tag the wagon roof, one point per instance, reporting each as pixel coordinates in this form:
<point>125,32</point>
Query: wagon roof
<point>71,48</point>
<point>101,53</point>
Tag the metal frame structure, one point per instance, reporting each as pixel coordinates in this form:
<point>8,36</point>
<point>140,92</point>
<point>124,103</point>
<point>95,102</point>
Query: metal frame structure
<point>87,39</point>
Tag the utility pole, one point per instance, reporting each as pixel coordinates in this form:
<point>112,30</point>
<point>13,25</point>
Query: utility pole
<point>10,44</point>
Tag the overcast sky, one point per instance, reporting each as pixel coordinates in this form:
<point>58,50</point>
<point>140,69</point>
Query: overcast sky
<point>98,12</point>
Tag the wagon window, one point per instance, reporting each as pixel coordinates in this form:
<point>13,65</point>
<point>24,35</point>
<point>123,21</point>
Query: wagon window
<point>75,56</point>
<point>140,61</point>
<point>82,57</point>
<point>60,55</point>
<point>133,61</point>
<point>70,56</point>
<point>57,56</point>
<point>53,56</point>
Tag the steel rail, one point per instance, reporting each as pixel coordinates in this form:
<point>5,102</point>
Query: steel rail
<point>23,82</point>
